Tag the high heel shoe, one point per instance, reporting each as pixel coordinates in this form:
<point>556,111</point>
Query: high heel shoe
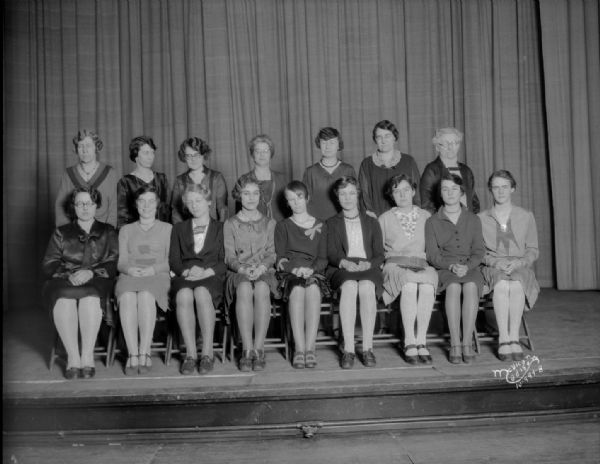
<point>455,355</point>
<point>410,358</point>
<point>504,356</point>
<point>517,355</point>
<point>147,366</point>
<point>129,369</point>
<point>424,355</point>
<point>467,354</point>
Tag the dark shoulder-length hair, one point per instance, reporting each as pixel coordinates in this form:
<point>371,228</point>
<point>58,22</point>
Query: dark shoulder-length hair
<point>328,133</point>
<point>94,194</point>
<point>344,182</point>
<point>137,143</point>
<point>195,143</point>
<point>386,125</point>
<point>241,183</point>
<point>395,182</point>
<point>297,187</point>
<point>453,178</point>
<point>504,174</point>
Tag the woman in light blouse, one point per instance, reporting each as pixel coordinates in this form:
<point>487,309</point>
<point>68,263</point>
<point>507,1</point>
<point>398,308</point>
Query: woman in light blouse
<point>511,244</point>
<point>250,258</point>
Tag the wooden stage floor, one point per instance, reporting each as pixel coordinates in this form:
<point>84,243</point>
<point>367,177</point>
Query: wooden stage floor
<point>564,326</point>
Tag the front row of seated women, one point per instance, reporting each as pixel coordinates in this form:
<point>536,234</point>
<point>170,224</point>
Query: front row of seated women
<point>249,259</point>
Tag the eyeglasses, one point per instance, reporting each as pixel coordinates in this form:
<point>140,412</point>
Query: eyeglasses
<point>84,204</point>
<point>262,152</point>
<point>453,143</point>
<point>193,156</point>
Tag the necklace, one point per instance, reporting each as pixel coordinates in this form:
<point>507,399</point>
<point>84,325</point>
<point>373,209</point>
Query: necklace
<point>351,218</point>
<point>337,161</point>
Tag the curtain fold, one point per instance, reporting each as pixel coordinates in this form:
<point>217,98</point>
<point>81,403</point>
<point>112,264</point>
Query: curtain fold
<point>571,52</point>
<point>226,70</point>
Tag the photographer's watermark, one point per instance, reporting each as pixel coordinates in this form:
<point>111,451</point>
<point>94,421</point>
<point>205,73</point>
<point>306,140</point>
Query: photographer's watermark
<point>520,371</point>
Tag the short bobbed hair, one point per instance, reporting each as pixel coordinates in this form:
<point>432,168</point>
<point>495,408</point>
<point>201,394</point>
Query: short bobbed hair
<point>195,143</point>
<point>83,133</point>
<point>328,133</point>
<point>241,184</point>
<point>395,182</point>
<point>261,138</point>
<point>145,189</point>
<point>196,188</point>
<point>504,174</point>
<point>386,125</point>
<point>297,187</point>
<point>344,182</point>
<point>137,143</point>
<point>94,194</point>
<point>439,133</point>
<point>453,178</point>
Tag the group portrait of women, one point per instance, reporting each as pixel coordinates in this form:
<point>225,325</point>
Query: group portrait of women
<point>390,233</point>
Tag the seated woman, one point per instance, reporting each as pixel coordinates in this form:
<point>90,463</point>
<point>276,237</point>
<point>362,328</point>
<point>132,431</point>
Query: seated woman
<point>447,143</point>
<point>511,243</point>
<point>320,177</point>
<point>141,152</point>
<point>90,173</point>
<point>355,253</point>
<point>196,257</point>
<point>144,280</point>
<point>454,246</point>
<point>250,256</point>
<point>194,152</point>
<point>301,247</point>
<point>81,263</point>
<point>406,272</point>
<point>271,183</point>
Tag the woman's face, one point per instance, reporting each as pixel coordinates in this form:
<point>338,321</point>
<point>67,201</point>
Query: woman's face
<point>147,204</point>
<point>329,148</point>
<point>385,140</point>
<point>296,201</point>
<point>193,159</point>
<point>145,157</point>
<point>261,154</point>
<point>197,204</point>
<point>85,208</point>
<point>348,197</point>
<point>451,193</point>
<point>86,150</point>
<point>250,197</point>
<point>501,190</point>
<point>448,146</point>
<point>403,194</point>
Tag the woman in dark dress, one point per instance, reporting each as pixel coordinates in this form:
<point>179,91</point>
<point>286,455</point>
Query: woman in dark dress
<point>196,258</point>
<point>454,246</point>
<point>142,152</point>
<point>447,143</point>
<point>81,263</point>
<point>194,152</point>
<point>355,253</point>
<point>301,247</point>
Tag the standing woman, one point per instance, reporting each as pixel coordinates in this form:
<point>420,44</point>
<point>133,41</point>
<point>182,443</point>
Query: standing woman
<point>271,183</point>
<point>320,177</point>
<point>89,173</point>
<point>196,258</point>
<point>81,263</point>
<point>144,280</point>
<point>406,272</point>
<point>250,257</point>
<point>141,151</point>
<point>194,153</point>
<point>301,247</point>
<point>511,243</point>
<point>355,253</point>
<point>447,143</point>
<point>454,245</point>
<point>378,168</point>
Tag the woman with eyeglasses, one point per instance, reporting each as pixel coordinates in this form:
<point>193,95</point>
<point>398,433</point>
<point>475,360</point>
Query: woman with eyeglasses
<point>144,280</point>
<point>196,257</point>
<point>194,152</point>
<point>271,183</point>
<point>378,168</point>
<point>80,263</point>
<point>91,173</point>
<point>142,151</point>
<point>511,244</point>
<point>320,177</point>
<point>447,143</point>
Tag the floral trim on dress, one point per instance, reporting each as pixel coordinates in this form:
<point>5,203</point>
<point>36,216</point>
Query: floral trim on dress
<point>408,221</point>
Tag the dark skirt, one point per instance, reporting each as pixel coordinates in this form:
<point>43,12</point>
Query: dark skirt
<point>235,278</point>
<point>214,285</point>
<point>97,286</point>
<point>448,277</point>
<point>287,282</point>
<point>338,276</point>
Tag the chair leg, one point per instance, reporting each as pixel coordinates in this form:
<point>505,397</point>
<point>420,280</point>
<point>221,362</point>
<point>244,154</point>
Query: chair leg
<point>53,354</point>
<point>526,330</point>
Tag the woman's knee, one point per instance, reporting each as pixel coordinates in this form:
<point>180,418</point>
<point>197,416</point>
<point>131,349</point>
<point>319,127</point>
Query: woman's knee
<point>349,289</point>
<point>502,288</point>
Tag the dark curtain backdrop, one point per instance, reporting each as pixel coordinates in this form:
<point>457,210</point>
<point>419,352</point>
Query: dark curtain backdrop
<point>225,70</point>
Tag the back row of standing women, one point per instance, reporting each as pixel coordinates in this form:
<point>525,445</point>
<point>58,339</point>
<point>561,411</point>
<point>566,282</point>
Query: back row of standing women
<point>306,257</point>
